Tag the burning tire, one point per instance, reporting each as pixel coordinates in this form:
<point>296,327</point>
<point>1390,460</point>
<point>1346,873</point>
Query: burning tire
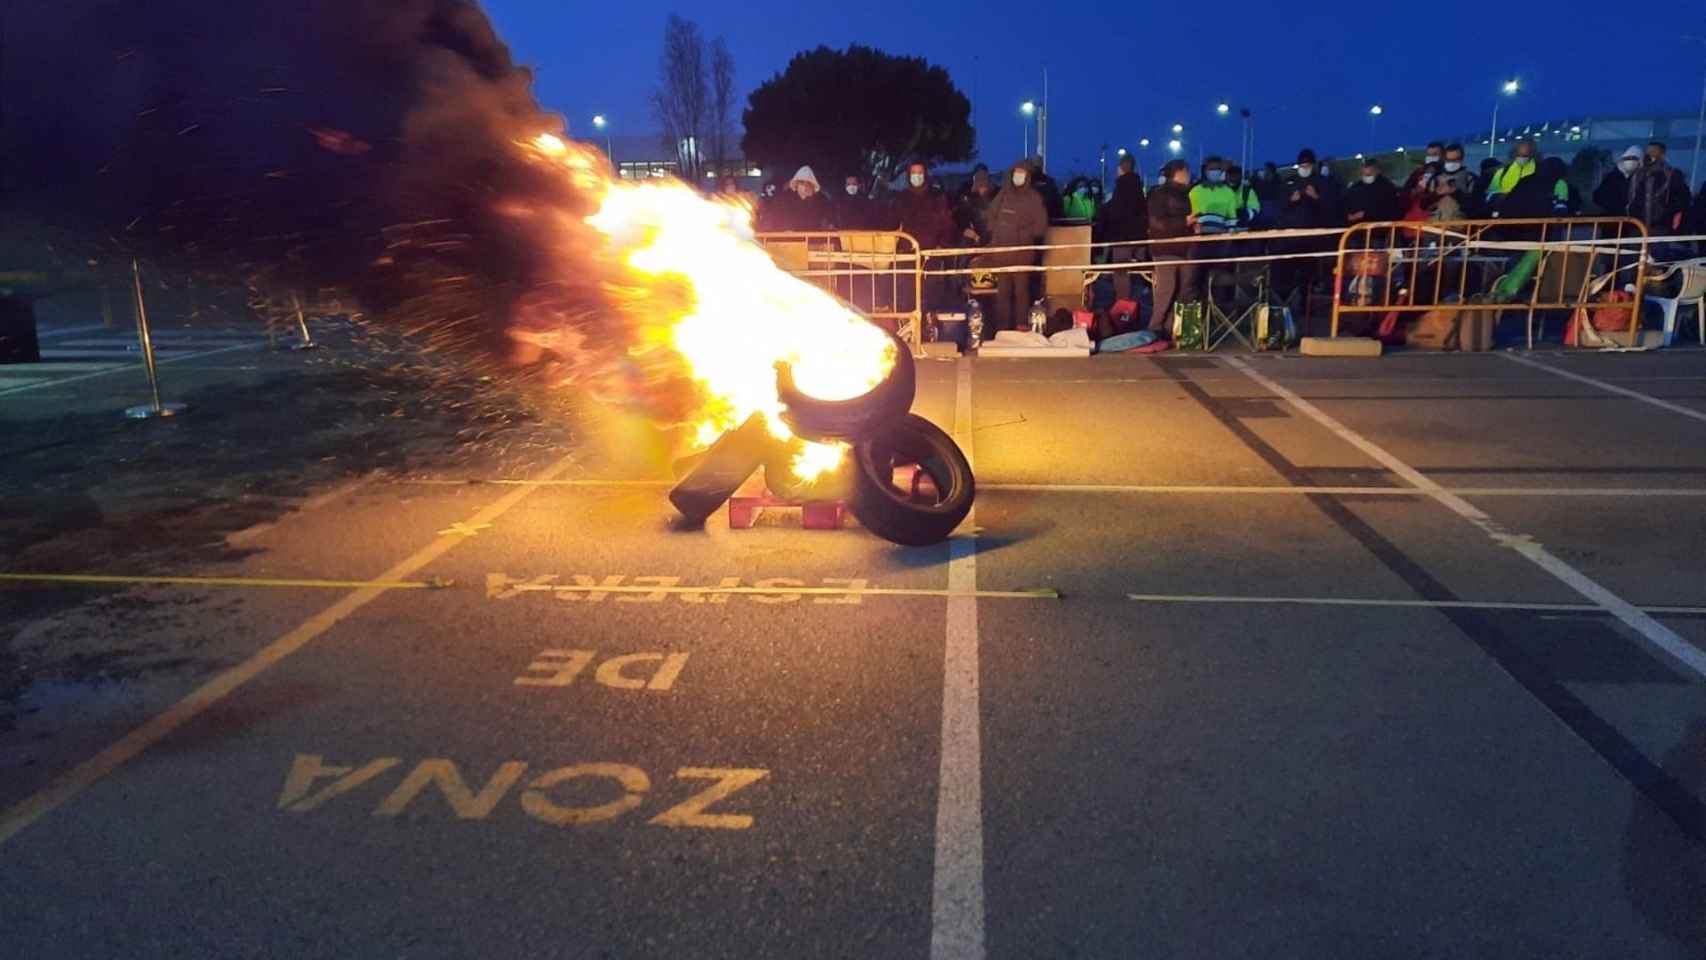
<point>780,478</point>
<point>935,499</point>
<point>854,418</point>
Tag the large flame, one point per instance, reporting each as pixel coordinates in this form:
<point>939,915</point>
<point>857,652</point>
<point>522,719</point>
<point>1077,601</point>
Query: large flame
<point>689,277</point>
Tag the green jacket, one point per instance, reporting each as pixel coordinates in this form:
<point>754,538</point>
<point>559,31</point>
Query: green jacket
<point>1508,176</point>
<point>1216,207</point>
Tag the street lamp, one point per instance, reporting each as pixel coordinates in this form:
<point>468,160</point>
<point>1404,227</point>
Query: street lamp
<point>1174,145</point>
<point>1028,109</point>
<point>1178,128</point>
<point>601,123</point>
<point>1374,113</point>
<point>1223,109</point>
<point>1144,143</point>
<point>1510,88</point>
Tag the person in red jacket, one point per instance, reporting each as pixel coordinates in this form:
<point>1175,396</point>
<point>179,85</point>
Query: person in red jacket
<point>923,213</point>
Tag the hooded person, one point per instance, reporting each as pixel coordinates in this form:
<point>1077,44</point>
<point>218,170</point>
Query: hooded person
<point>1658,193</point>
<point>803,207</point>
<point>1017,218</point>
<point>1612,194</point>
<point>971,213</point>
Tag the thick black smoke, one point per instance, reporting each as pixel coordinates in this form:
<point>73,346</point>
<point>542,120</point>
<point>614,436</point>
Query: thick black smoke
<point>360,145</point>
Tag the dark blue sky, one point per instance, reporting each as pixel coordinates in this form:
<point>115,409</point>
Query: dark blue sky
<point>1119,71</point>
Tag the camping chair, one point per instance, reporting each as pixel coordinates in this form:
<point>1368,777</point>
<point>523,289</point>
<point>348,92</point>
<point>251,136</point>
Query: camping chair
<point>1244,289</point>
<point>1693,291</point>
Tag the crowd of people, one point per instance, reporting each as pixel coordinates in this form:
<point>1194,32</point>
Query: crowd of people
<point>1217,200</point>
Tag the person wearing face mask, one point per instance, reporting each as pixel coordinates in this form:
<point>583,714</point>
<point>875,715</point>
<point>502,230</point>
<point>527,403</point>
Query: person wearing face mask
<point>1305,209</point>
<point>1524,161</point>
<point>1658,197</point>
<point>1017,218</point>
<point>855,210</point>
<point>1373,198</point>
<point>922,213</point>
<point>1612,194</point>
<point>1249,204</point>
<point>1434,154</point>
<point>971,211</point>
<point>1456,181</point>
<point>1170,216</point>
<point>1214,201</point>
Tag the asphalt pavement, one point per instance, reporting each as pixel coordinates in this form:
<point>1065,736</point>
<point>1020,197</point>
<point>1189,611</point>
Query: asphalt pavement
<point>1239,656</point>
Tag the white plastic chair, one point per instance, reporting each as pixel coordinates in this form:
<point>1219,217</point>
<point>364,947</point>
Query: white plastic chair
<point>1693,291</point>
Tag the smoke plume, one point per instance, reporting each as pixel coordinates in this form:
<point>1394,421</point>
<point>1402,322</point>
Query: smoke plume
<point>361,146</point>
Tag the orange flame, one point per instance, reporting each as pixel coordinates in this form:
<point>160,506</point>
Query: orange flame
<point>690,279</point>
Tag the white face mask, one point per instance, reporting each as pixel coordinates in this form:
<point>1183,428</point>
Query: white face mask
<point>1433,158</point>
<point>1018,179</point>
<point>1368,178</point>
<point>1216,176</point>
<point>1627,166</point>
<point>1452,166</point>
<point>852,189</point>
<point>916,179</point>
<point>1306,172</point>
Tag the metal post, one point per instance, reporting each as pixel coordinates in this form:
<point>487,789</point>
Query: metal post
<point>155,408</point>
<point>302,325</point>
<point>1699,127</point>
<point>1042,124</point>
<point>1493,135</point>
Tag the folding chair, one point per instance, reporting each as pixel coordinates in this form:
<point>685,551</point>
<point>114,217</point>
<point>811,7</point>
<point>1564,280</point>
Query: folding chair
<point>1693,291</point>
<point>1244,291</point>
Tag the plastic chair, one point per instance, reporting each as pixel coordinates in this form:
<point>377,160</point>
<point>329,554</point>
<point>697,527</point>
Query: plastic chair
<point>1693,291</point>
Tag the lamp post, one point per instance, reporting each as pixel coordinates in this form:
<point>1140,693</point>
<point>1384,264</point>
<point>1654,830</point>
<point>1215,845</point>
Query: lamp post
<point>602,124</point>
<point>1510,88</point>
<point>1374,113</point>
<point>1028,109</point>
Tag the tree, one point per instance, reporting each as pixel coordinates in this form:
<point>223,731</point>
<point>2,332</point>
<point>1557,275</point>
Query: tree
<point>857,111</point>
<point>722,102</point>
<point>679,101</point>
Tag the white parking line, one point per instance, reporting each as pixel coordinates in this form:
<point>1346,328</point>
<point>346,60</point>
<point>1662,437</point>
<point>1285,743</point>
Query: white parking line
<point>956,908</point>
<point>84,775</point>
<point>1608,387</point>
<point>1536,607</point>
<point>1633,617</point>
<point>114,368</point>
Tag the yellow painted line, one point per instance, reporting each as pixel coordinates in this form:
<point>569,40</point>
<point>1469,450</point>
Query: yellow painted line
<point>84,775</point>
<point>223,581</point>
<point>1043,593</point>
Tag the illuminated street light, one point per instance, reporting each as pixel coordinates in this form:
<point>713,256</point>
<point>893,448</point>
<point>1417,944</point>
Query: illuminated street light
<point>1374,113</point>
<point>1122,151</point>
<point>1174,145</point>
<point>1223,109</point>
<point>599,122</point>
<point>1144,143</point>
<point>1028,109</point>
<point>1375,110</point>
<point>1178,128</point>
<point>1510,86</point>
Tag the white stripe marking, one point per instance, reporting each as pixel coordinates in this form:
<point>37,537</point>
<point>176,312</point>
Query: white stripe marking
<point>73,782</point>
<point>1688,412</point>
<point>956,914</point>
<point>1655,632</point>
<point>51,333</point>
<point>126,366</point>
<point>1421,604</point>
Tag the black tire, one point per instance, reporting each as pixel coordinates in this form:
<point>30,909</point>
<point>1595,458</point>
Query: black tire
<point>911,517</point>
<point>851,419</point>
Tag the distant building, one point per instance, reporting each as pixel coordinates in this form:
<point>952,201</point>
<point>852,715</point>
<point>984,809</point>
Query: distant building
<point>643,156</point>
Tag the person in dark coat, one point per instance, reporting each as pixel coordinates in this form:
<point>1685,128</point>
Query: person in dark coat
<point>921,211</point>
<point>1373,198</point>
<point>802,208</point>
<point>1170,216</point>
<point>855,210</point>
<point>1017,218</point>
<point>971,212</point>
<point>1612,194</point>
<point>1304,207</point>
<point>1658,193</point>
<point>1126,221</point>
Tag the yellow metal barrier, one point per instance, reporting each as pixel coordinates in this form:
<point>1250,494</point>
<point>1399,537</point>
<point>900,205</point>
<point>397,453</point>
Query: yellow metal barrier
<point>1457,266</point>
<point>878,271</point>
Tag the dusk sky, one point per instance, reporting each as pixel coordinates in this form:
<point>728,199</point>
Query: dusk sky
<point>1120,71</point>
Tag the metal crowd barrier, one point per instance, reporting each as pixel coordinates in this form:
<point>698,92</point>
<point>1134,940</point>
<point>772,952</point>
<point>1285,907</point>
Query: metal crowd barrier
<point>878,271</point>
<point>1457,266</point>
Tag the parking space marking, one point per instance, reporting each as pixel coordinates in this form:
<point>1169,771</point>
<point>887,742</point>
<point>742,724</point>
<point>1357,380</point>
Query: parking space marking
<point>1637,620</point>
<point>477,800</point>
<point>196,581</point>
<point>501,586</point>
<point>957,903</point>
<point>1536,607</point>
<point>60,381</point>
<point>1184,488</point>
<point>1688,412</point>
<point>80,777</point>
<point>559,668</point>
